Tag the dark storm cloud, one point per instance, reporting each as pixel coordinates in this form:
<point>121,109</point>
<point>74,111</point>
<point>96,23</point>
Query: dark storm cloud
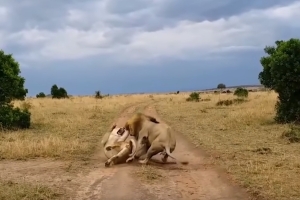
<point>119,22</point>
<point>199,10</point>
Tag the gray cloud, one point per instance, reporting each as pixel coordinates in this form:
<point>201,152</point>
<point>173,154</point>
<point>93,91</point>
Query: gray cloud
<point>199,10</point>
<point>90,40</point>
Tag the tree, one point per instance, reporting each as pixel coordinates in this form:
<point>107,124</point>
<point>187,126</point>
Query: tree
<point>281,73</point>
<point>221,86</point>
<point>54,90</point>
<point>40,95</point>
<point>98,95</point>
<point>58,93</point>
<point>12,88</point>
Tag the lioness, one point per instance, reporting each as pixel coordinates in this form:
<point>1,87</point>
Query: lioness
<point>116,149</point>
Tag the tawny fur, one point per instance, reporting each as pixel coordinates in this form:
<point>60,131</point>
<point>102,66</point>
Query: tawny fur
<point>147,129</point>
<point>116,149</point>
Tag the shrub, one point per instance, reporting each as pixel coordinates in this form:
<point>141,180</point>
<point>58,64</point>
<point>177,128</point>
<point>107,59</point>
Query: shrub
<point>241,92</point>
<point>13,118</point>
<point>293,135</point>
<point>11,88</point>
<point>26,105</point>
<point>229,102</point>
<point>177,92</point>
<point>281,72</point>
<point>194,96</point>
<point>224,102</point>
<point>40,95</point>
<point>98,95</point>
<point>58,93</point>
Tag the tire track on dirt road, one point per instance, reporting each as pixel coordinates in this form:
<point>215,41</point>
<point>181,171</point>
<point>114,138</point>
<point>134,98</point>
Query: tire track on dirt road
<point>196,181</point>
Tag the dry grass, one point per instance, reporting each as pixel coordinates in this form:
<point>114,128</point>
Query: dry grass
<point>248,144</point>
<point>65,128</point>
<point>25,191</point>
<point>245,138</point>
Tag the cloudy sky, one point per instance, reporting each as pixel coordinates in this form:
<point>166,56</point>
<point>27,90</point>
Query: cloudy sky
<point>118,46</point>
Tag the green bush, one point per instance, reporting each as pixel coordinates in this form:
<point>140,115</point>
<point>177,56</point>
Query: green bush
<point>58,93</point>
<point>281,72</point>
<point>194,96</point>
<point>11,88</point>
<point>14,118</point>
<point>40,95</point>
<point>241,92</point>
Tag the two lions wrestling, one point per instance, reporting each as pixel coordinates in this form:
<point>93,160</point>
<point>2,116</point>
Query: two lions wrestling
<point>149,138</point>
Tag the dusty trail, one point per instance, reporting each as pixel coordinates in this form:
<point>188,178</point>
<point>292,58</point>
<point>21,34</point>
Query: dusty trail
<point>188,182</point>
<point>198,180</point>
<point>115,182</point>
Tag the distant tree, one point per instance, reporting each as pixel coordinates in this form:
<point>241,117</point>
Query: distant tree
<point>40,95</point>
<point>12,88</point>
<point>281,72</point>
<point>221,86</point>
<point>58,93</point>
<point>54,90</point>
<point>98,95</point>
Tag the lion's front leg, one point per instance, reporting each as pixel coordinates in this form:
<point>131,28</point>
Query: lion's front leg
<point>121,154</point>
<point>108,162</point>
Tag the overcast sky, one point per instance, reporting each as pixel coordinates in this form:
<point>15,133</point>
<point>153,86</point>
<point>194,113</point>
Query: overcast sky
<point>119,46</point>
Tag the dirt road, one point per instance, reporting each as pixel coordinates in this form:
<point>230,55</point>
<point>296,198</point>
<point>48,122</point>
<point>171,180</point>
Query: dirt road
<point>189,182</point>
<point>195,181</point>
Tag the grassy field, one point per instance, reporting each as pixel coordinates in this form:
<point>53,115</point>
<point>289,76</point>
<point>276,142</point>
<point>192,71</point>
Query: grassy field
<point>65,128</point>
<point>243,139</point>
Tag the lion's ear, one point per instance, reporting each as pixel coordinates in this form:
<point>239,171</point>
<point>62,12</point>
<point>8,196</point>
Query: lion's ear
<point>113,127</point>
<point>152,119</point>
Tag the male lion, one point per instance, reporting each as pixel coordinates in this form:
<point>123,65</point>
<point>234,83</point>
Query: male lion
<point>147,130</point>
<point>116,149</point>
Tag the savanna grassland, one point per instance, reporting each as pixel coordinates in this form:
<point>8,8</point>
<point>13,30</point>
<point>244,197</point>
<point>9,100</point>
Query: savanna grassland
<point>61,129</point>
<point>242,138</point>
